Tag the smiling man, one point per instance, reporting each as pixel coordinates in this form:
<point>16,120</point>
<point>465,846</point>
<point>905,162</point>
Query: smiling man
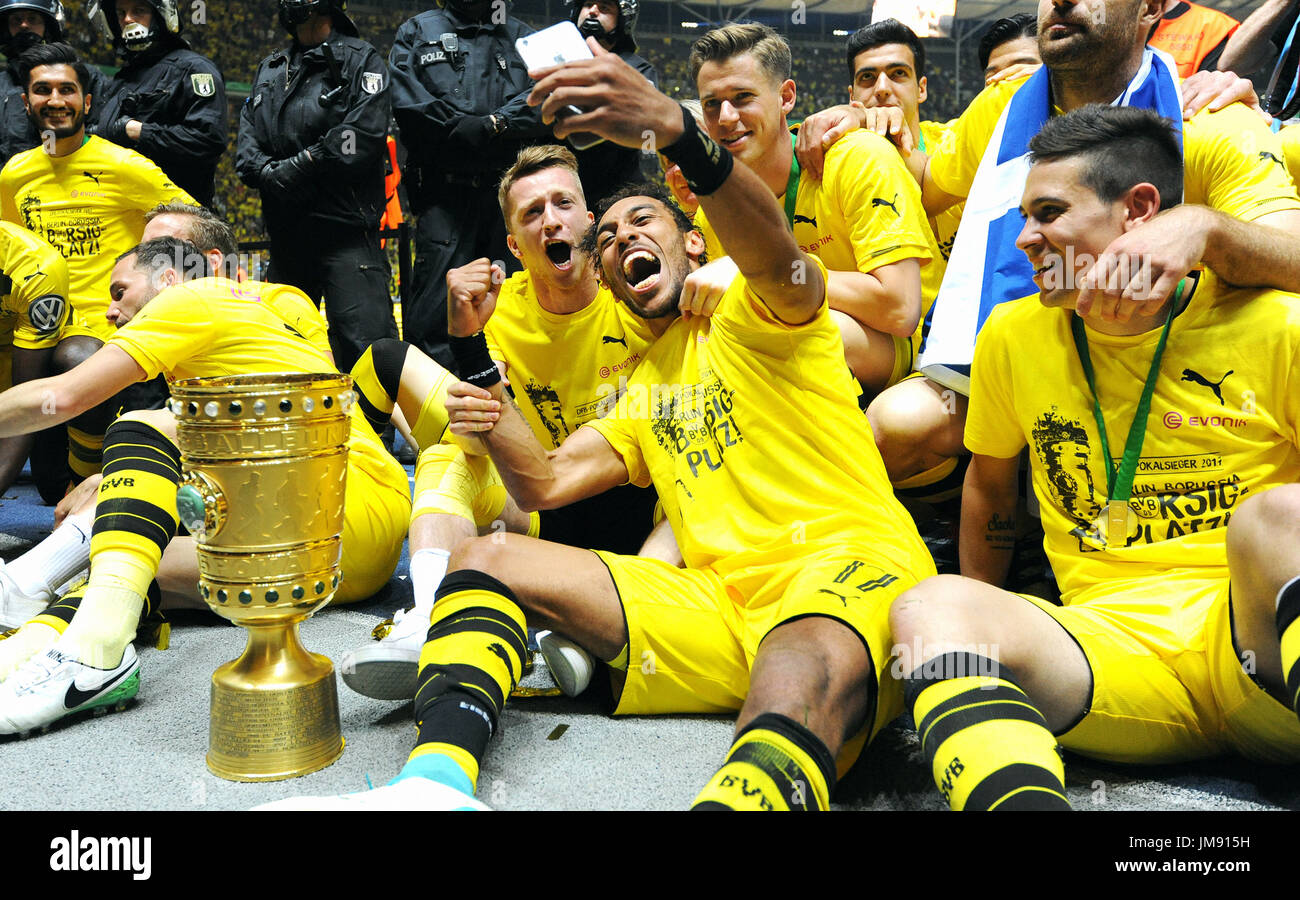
<point>861,217</point>
<point>568,349</point>
<point>793,548</point>
<point>1179,567</point>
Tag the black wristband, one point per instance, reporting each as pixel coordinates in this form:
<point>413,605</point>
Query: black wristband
<point>704,164</point>
<point>473,364</point>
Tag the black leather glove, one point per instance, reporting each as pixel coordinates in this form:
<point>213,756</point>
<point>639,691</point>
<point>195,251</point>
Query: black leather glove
<point>473,131</point>
<point>288,176</point>
<point>115,131</point>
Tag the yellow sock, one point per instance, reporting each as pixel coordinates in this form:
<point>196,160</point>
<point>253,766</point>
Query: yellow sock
<point>1288,610</point>
<point>987,746</point>
<point>135,518</point>
<point>774,764</point>
<point>85,452</point>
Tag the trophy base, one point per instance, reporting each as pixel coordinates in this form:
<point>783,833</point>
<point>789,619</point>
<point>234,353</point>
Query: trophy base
<point>274,711</point>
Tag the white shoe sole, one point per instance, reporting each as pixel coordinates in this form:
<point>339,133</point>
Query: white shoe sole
<point>570,665</point>
<point>384,673</point>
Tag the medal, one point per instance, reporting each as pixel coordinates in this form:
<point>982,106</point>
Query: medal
<point>1113,523</point>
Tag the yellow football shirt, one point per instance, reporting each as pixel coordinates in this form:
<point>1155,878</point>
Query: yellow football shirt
<point>214,326</point>
<point>1290,137</point>
<point>565,369</point>
<point>750,431</point>
<point>1223,427</point>
<point>864,213</point>
<point>90,206</point>
<point>1228,156</point>
<point>943,226</point>
<point>34,281</point>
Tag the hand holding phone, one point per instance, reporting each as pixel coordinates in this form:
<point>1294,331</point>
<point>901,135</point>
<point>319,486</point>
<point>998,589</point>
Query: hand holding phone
<point>555,46</point>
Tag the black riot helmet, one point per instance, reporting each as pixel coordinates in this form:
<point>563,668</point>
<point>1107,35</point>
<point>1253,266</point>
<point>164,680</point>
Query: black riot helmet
<point>294,12</point>
<point>50,10</point>
<point>136,38</point>
<point>622,35</point>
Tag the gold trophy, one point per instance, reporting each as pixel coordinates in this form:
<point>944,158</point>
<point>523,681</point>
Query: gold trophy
<point>265,461</point>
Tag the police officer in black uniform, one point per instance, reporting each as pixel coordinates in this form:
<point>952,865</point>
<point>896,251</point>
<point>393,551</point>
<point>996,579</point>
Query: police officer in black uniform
<point>459,97</point>
<point>24,24</point>
<point>607,166</point>
<point>167,102</point>
<point>312,139</point>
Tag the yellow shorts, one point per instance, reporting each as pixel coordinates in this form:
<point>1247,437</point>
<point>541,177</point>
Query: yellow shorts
<point>1168,691</point>
<point>693,634</point>
<point>376,514</point>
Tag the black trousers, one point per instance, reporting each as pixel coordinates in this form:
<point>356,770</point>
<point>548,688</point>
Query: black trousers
<point>345,267</point>
<point>464,225</point>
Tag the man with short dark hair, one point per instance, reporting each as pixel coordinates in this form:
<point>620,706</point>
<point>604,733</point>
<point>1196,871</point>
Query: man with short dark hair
<point>1177,550</point>
<point>23,25</point>
<point>1012,41</point>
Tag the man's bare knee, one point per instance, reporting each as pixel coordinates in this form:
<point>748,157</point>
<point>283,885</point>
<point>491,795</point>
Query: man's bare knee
<point>1258,521</point>
<point>935,601</point>
<point>161,419</point>
<point>487,554</point>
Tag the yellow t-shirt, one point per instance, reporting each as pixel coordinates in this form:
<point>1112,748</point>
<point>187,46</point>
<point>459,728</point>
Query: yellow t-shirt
<point>214,326</point>
<point>566,369</point>
<point>1223,426</point>
<point>34,283</point>
<point>1226,156</point>
<point>1290,137</point>
<point>90,206</point>
<point>864,213</point>
<point>750,431</point>
<point>944,225</point>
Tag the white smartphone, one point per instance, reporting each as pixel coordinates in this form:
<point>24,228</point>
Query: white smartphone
<point>554,46</point>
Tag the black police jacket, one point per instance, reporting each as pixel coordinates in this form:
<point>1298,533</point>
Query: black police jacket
<point>17,133</point>
<point>299,101</point>
<point>436,86</point>
<point>179,97</point>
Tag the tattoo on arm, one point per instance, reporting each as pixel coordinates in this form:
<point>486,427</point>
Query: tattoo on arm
<point>1000,532</point>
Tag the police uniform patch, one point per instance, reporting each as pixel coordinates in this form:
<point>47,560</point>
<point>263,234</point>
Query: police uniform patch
<point>204,84</point>
<point>372,82</point>
<point>46,313</point>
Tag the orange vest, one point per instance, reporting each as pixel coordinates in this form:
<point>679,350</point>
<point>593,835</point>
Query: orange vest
<point>392,216</point>
<point>1189,36</point>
